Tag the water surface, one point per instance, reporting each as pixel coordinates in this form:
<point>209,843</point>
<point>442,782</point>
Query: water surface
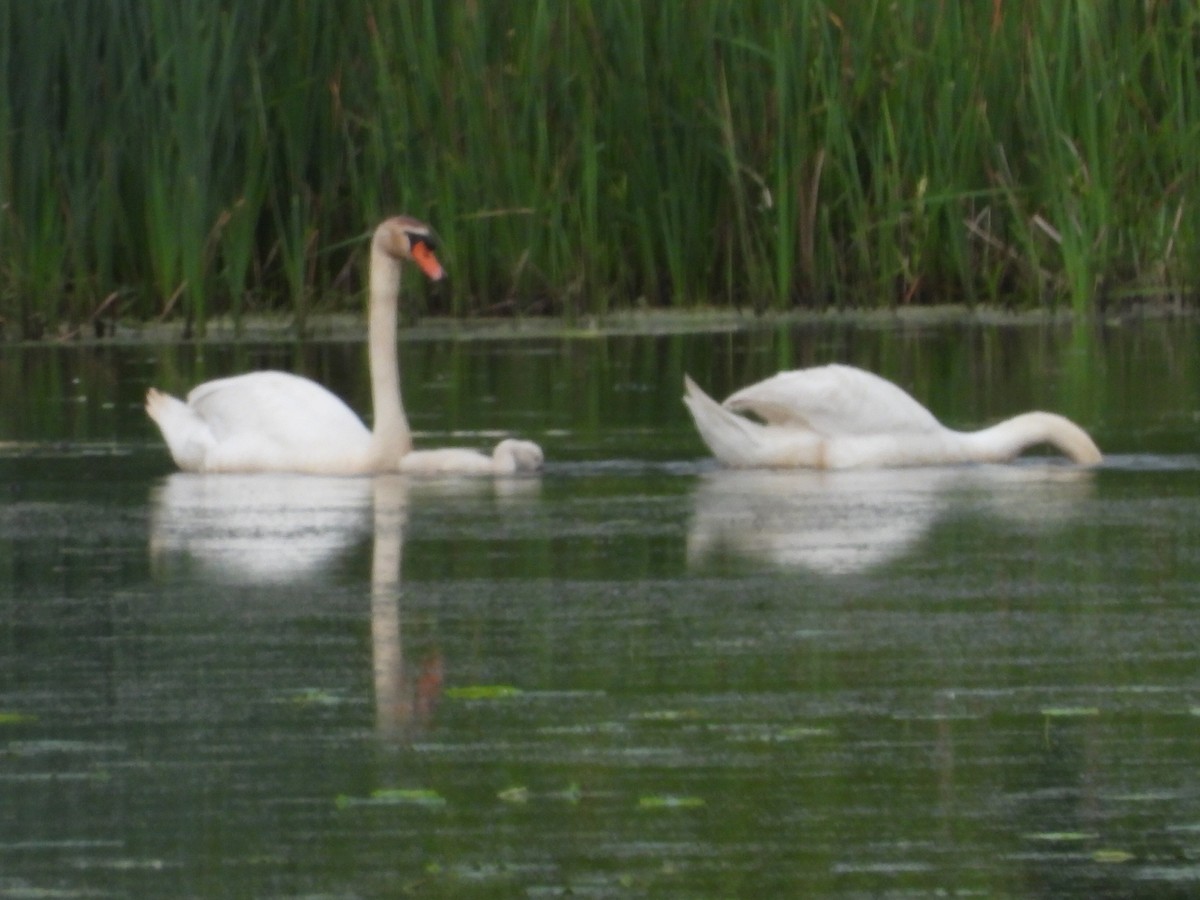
<point>634,675</point>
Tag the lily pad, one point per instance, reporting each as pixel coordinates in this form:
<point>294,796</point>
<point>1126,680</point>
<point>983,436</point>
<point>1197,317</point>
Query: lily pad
<point>522,794</point>
<point>518,794</point>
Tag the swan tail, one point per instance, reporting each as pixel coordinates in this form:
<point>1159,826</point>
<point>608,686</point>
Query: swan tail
<point>188,436</point>
<point>733,439</point>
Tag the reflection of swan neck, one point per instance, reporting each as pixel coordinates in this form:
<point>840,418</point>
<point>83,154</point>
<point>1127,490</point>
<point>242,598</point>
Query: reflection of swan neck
<point>390,434</point>
<point>1011,437</point>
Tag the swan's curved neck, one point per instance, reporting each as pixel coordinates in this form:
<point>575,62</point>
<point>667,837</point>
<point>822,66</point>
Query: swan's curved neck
<point>390,436</point>
<point>1011,437</point>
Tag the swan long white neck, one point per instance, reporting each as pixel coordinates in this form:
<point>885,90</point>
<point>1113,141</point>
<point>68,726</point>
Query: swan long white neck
<point>390,434</point>
<point>1010,438</point>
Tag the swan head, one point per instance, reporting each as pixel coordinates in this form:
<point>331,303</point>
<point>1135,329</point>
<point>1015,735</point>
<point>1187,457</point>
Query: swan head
<point>406,238</point>
<point>512,455</point>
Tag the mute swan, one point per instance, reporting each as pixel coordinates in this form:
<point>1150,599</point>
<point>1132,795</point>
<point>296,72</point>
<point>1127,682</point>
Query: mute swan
<point>840,417</point>
<point>278,422</point>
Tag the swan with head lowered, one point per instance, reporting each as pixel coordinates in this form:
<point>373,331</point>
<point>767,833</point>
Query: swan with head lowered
<point>841,417</point>
<point>279,422</point>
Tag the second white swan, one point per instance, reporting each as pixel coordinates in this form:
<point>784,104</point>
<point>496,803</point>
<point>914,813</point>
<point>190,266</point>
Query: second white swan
<point>842,417</point>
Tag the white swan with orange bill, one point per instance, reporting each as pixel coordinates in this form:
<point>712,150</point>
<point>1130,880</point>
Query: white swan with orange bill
<point>842,417</point>
<point>279,422</point>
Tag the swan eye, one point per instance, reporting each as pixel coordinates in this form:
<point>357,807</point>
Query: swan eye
<point>415,240</point>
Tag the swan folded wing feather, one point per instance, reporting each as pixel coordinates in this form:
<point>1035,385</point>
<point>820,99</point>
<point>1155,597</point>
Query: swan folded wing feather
<point>833,401</point>
<point>275,421</point>
<point>267,403</point>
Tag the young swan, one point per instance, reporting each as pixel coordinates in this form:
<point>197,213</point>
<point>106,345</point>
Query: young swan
<point>841,417</point>
<point>510,457</point>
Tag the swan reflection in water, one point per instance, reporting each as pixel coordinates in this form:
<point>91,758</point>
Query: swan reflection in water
<point>257,529</point>
<point>837,523</point>
<point>280,530</point>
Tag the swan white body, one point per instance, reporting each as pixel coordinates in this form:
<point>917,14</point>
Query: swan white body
<point>278,422</point>
<point>264,422</point>
<point>841,417</point>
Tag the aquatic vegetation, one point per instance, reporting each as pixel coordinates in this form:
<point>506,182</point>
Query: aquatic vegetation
<point>581,159</point>
<point>520,794</point>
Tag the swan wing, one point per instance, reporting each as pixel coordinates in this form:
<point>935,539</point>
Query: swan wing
<point>833,401</point>
<point>284,408</point>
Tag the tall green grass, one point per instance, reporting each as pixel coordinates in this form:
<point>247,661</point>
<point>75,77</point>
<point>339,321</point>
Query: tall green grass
<point>191,159</point>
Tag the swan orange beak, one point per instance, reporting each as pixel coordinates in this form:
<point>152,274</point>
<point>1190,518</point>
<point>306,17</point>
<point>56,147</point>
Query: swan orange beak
<point>429,264</point>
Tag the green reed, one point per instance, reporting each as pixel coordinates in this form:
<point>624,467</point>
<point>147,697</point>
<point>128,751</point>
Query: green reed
<point>193,159</point>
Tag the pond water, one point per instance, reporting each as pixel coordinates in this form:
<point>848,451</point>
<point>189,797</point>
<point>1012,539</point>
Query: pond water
<point>633,675</point>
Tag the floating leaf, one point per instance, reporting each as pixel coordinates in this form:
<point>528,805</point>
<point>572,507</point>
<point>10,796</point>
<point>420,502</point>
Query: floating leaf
<point>522,794</point>
<point>16,718</point>
<point>483,692</point>
<point>669,801</point>
<point>1112,856</point>
<point>394,797</point>
<point>519,794</point>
